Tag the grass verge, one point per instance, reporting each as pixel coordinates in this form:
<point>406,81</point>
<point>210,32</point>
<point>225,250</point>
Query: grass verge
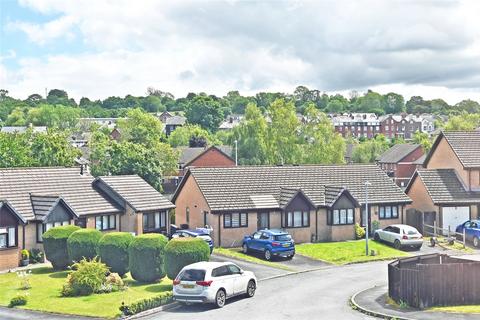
<point>347,252</point>
<point>44,294</point>
<point>238,254</point>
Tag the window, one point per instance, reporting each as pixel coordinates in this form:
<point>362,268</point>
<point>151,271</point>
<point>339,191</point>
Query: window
<point>296,219</point>
<point>388,212</point>
<point>187,214</point>
<point>341,216</point>
<point>8,237</point>
<point>154,221</point>
<point>107,222</point>
<point>44,227</point>
<point>234,269</point>
<point>235,220</point>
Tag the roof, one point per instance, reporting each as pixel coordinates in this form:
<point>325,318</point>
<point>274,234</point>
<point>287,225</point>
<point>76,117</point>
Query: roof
<point>445,187</point>
<point>176,121</point>
<point>187,155</point>
<point>398,152</point>
<point>12,209</point>
<point>43,205</point>
<point>420,160</point>
<point>465,144</point>
<point>251,187</point>
<point>136,192</point>
<point>7,129</point>
<point>76,189</point>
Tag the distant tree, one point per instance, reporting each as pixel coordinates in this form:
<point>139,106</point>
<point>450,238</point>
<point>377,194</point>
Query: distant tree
<point>16,117</point>
<point>394,103</point>
<point>370,102</point>
<point>61,117</point>
<point>236,102</point>
<point>57,96</point>
<point>464,122</point>
<point>423,139</point>
<point>368,151</point>
<point>141,127</point>
<point>191,135</point>
<point>152,104</point>
<point>34,99</point>
<point>416,104</point>
<point>468,106</point>
<point>204,111</point>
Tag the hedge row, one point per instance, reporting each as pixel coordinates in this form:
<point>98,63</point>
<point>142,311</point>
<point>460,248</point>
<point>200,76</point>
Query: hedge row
<point>146,304</point>
<point>148,257</point>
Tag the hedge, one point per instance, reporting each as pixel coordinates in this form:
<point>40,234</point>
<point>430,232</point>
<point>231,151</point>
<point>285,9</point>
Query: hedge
<point>113,251</point>
<point>55,245</point>
<point>146,257</point>
<point>146,304</point>
<point>181,252</point>
<point>83,244</point>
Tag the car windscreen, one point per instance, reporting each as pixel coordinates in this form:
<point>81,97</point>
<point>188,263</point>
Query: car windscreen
<point>283,237</point>
<point>410,231</point>
<point>192,275</point>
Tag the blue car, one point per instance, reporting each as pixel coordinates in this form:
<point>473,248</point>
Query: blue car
<point>199,232</point>
<point>270,243</point>
<point>472,231</point>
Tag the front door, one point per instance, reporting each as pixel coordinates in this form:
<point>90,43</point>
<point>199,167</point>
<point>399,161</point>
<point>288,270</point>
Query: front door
<point>263,220</point>
<point>365,220</point>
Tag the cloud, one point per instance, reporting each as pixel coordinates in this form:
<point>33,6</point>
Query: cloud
<point>420,47</point>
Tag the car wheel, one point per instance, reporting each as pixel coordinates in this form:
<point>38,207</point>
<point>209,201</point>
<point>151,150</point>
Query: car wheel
<point>397,244</point>
<point>376,237</point>
<point>418,247</point>
<point>290,257</point>
<point>220,298</point>
<point>251,287</point>
<point>245,248</point>
<point>268,255</point>
<point>476,243</point>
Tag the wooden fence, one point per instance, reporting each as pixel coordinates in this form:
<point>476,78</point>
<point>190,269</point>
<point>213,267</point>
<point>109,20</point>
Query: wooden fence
<point>434,280</point>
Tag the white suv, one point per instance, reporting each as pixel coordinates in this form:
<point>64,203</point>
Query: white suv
<point>213,282</point>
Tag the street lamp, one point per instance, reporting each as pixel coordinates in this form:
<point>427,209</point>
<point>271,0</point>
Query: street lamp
<point>366,216</point>
<point>236,152</point>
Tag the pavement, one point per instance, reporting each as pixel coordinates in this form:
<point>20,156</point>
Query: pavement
<point>373,300</point>
<point>21,314</point>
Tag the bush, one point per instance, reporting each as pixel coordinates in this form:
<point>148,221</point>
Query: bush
<point>146,257</point>
<point>359,231</point>
<point>146,304</point>
<point>83,244</point>
<point>181,252</point>
<point>55,245</point>
<point>87,278</point>
<point>19,300</point>
<point>113,283</point>
<point>25,254</point>
<point>113,251</point>
<point>36,256</point>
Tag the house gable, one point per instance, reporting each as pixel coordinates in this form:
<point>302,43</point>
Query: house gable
<point>418,192</point>
<point>211,157</point>
<point>60,212</point>
<point>345,200</point>
<point>189,198</point>
<point>8,215</point>
<point>299,202</point>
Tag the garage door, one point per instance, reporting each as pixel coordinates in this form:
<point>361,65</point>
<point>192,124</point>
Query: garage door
<point>454,216</point>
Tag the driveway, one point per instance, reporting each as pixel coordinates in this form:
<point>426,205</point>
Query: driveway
<point>321,294</point>
<point>261,271</point>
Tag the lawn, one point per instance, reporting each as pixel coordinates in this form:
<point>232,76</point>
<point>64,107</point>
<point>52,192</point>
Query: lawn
<point>346,252</point>
<point>45,294</point>
<point>237,254</point>
<point>458,309</point>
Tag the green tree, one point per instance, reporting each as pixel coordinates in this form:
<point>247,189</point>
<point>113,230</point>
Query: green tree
<point>141,127</point>
<point>423,139</point>
<point>322,143</point>
<point>464,122</point>
<point>369,150</point>
<point>204,111</point>
<point>186,135</point>
<point>16,117</point>
<point>15,150</point>
<point>394,103</point>
<point>251,135</point>
<point>52,149</point>
<point>283,134</point>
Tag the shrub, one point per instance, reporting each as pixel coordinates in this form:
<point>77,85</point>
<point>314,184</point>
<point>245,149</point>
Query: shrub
<point>146,257</point>
<point>55,245</point>
<point>181,252</point>
<point>113,251</point>
<point>83,244</point>
<point>25,254</point>
<point>146,304</point>
<point>359,231</point>
<point>87,278</point>
<point>19,300</point>
<point>36,256</point>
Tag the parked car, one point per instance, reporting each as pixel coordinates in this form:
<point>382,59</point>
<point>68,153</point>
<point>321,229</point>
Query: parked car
<point>400,235</point>
<point>472,231</point>
<point>271,243</point>
<point>213,282</point>
<point>199,232</point>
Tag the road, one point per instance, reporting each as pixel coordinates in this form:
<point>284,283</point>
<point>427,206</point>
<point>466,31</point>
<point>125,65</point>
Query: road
<point>319,294</point>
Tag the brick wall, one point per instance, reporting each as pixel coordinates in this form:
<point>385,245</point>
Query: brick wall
<point>212,158</point>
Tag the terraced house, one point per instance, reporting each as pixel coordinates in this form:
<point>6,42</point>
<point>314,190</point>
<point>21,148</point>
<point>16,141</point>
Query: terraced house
<point>313,203</point>
<point>33,200</point>
<point>447,188</point>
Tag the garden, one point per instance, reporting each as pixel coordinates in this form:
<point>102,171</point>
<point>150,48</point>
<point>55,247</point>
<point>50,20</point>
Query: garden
<point>102,275</point>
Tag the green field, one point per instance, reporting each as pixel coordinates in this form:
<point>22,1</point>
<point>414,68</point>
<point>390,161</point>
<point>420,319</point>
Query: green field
<point>346,252</point>
<point>45,294</point>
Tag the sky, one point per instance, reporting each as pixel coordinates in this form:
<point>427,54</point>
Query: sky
<point>102,48</point>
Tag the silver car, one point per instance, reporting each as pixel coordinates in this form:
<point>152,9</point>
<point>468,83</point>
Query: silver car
<point>400,235</point>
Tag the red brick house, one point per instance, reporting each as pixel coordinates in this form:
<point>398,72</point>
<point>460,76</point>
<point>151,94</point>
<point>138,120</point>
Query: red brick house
<point>399,162</point>
<point>447,189</point>
<point>33,200</point>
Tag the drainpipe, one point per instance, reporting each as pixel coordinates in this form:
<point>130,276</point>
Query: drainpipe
<point>219,232</point>
<point>23,236</point>
<point>316,224</point>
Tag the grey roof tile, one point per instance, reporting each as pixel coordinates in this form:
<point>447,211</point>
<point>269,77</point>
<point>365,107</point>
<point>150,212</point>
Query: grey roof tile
<point>396,153</point>
<point>466,145</point>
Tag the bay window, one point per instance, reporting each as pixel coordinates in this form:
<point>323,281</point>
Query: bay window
<point>156,221</point>
<point>44,227</point>
<point>340,216</point>
<point>106,222</point>
<point>296,219</point>
<point>388,212</point>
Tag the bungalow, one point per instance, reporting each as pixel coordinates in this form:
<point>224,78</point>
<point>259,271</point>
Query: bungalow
<point>313,203</point>
<point>399,162</point>
<point>447,189</point>
<point>33,200</point>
